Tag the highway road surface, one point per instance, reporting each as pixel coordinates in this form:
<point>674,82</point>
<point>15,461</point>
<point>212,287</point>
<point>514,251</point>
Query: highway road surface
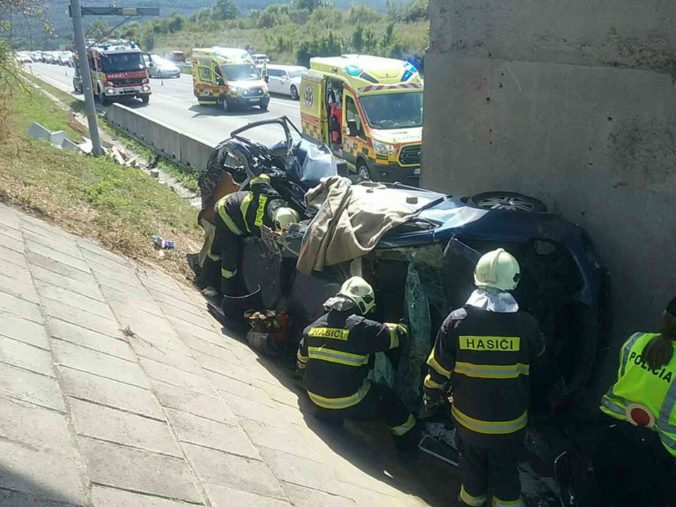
<point>173,103</point>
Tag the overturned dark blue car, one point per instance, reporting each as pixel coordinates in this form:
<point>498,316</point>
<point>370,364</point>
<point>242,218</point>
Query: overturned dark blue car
<point>423,268</point>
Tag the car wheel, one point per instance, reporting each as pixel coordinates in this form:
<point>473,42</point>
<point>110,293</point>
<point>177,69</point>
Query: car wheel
<point>509,201</point>
<point>363,173</point>
<point>264,104</point>
<point>226,104</point>
<point>145,98</point>
<point>294,93</point>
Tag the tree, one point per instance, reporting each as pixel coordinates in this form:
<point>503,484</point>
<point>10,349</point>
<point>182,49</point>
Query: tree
<point>310,5</point>
<point>224,9</point>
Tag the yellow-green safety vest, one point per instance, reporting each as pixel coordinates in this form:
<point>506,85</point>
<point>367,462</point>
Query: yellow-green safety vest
<point>638,385</point>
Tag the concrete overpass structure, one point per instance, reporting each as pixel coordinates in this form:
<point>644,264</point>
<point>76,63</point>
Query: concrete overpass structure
<point>573,102</point>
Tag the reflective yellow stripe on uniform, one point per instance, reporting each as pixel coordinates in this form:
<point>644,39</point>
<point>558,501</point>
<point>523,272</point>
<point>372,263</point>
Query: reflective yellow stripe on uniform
<point>244,207</point>
<point>337,356</point>
<point>339,403</point>
<point>507,503</point>
<point>226,218</point>
<point>226,273</point>
<point>434,364</point>
<point>334,333</point>
<point>492,371</point>
<point>261,178</point>
<point>301,358</point>
<point>393,330</point>
<point>404,428</point>
<point>490,427</point>
<point>214,257</point>
<point>431,384</point>
<point>474,501</point>
<point>260,212</point>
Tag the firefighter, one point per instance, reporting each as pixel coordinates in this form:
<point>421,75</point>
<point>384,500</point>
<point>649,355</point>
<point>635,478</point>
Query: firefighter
<point>485,349</point>
<point>238,215</point>
<point>635,462</point>
<point>335,353</point>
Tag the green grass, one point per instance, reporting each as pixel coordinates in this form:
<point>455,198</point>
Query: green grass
<point>187,178</point>
<point>121,207</point>
<point>48,114</point>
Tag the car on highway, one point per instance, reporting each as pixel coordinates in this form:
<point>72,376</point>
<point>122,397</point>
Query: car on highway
<point>259,59</point>
<point>64,58</point>
<point>285,79</point>
<point>161,67</point>
<point>177,57</point>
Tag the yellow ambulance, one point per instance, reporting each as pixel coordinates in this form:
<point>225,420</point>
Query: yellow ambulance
<point>227,77</point>
<point>369,110</point>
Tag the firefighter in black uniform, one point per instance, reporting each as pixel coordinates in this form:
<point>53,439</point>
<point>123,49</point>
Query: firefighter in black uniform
<point>335,353</point>
<point>238,215</point>
<point>485,350</point>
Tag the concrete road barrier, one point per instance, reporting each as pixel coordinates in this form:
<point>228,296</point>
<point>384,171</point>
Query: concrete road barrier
<point>163,139</point>
<point>195,152</point>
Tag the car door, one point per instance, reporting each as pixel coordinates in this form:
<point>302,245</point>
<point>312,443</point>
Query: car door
<point>351,139</point>
<point>284,83</point>
<point>274,84</point>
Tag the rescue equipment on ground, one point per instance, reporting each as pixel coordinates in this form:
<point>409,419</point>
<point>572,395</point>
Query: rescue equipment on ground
<point>269,330</point>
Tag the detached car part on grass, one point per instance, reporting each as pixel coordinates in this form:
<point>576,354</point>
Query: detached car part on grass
<point>424,268</point>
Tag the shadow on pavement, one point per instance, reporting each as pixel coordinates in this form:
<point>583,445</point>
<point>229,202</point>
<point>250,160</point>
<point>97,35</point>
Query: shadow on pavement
<point>218,111</point>
<point>368,446</point>
<point>17,491</point>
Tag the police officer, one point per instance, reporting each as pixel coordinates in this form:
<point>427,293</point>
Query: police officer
<point>238,215</point>
<point>635,462</point>
<point>335,353</point>
<point>485,349</point>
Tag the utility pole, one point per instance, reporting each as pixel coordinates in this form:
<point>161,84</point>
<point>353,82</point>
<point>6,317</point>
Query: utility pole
<point>86,76</point>
<point>76,12</point>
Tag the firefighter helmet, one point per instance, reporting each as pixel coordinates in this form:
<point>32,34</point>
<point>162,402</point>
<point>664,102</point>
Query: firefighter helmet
<point>284,216</point>
<point>358,290</point>
<point>497,269</point>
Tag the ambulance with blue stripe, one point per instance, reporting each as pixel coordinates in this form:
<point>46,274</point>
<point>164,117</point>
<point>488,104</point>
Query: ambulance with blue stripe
<point>369,111</point>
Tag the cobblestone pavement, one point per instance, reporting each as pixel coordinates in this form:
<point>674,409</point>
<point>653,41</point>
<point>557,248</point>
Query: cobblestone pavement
<point>117,388</point>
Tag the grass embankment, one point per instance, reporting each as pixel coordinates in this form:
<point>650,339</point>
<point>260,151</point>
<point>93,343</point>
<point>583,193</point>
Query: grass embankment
<point>121,207</point>
<point>187,178</point>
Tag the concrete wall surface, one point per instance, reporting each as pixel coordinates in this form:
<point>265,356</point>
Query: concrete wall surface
<point>573,102</point>
<point>165,140</point>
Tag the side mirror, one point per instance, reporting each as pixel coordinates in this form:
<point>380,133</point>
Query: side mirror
<point>352,128</point>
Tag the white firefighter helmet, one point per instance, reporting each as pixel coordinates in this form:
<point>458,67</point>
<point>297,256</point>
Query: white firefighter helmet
<point>497,269</point>
<point>358,290</point>
<point>285,216</point>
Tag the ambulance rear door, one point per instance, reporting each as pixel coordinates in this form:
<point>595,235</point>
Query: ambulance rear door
<point>312,108</point>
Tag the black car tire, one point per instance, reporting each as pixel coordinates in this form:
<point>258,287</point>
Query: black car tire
<point>509,201</point>
<point>363,172</point>
<point>225,104</point>
<point>145,98</point>
<point>103,99</point>
<point>294,92</point>
<point>264,105</point>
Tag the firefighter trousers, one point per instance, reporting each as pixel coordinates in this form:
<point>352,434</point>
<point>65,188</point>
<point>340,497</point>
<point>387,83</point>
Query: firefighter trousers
<point>382,403</point>
<point>488,468</point>
<point>220,265</point>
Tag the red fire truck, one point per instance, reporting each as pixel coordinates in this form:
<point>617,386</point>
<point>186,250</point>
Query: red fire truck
<point>118,71</point>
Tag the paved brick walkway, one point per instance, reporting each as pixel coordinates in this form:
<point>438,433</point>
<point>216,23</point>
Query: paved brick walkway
<point>170,412</point>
